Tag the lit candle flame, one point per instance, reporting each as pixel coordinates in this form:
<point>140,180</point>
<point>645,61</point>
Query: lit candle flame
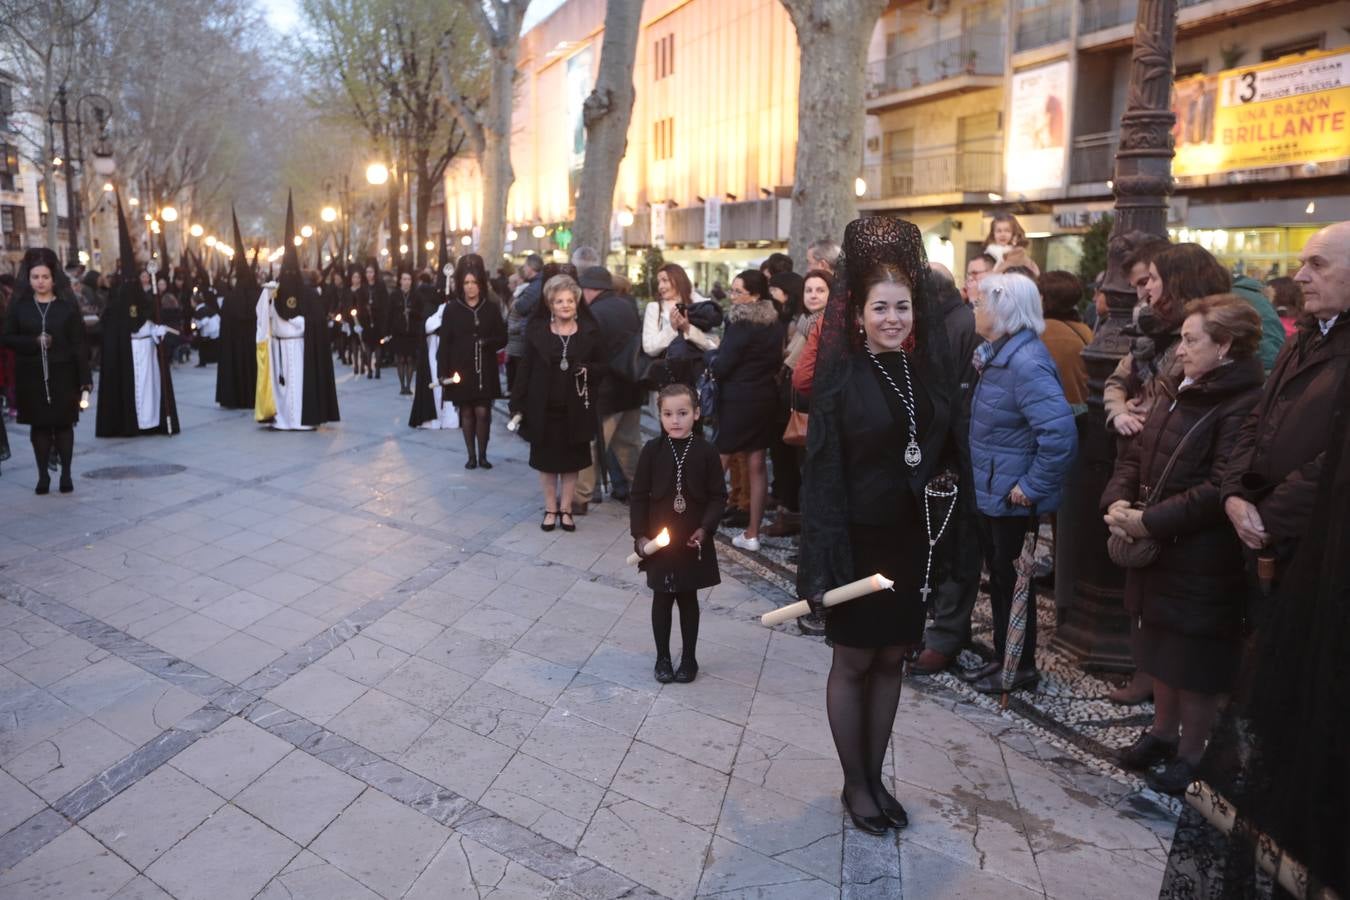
<point>664,537</point>
<point>353,312</point>
<point>454,379</point>
<point>84,400</point>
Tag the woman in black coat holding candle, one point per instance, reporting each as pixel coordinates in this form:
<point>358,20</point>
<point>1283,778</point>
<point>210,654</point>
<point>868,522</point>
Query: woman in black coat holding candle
<point>472,331</point>
<point>551,392</point>
<point>881,411</point>
<point>678,487</point>
<point>45,329</point>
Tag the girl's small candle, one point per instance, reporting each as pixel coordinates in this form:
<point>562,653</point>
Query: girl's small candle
<point>842,594</point>
<point>514,425</point>
<point>84,399</point>
<point>656,543</point>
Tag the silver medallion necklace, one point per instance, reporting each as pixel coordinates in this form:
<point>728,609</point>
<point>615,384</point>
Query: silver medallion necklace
<point>913,456</point>
<point>566,339</point>
<point>679,504</point>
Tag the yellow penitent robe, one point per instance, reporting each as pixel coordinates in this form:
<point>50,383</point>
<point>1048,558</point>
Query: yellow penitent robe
<point>264,404</point>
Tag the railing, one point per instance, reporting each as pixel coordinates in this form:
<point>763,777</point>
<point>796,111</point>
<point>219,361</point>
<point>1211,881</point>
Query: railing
<point>1043,24</point>
<point>935,170</point>
<point>977,52</point>
<point>1097,15</point>
<point>1093,159</point>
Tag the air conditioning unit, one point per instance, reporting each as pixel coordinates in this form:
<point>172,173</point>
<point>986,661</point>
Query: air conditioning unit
<point>936,7</point>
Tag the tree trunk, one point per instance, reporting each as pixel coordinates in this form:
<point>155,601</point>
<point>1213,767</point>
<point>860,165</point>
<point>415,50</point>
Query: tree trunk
<point>607,112</point>
<point>832,36</point>
<point>425,186</point>
<point>495,160</point>
<point>391,195</point>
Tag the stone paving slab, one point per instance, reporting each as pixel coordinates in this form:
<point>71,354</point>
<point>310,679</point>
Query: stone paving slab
<point>338,665</point>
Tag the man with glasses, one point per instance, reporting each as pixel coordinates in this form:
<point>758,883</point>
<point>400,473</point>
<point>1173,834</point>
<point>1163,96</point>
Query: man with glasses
<point>978,267</point>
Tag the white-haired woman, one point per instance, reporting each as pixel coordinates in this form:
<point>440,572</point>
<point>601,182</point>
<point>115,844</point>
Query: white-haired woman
<point>1022,443</point>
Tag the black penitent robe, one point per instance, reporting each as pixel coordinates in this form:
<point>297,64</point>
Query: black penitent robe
<point>424,405</point>
<point>116,416</point>
<point>319,403</point>
<point>237,372</point>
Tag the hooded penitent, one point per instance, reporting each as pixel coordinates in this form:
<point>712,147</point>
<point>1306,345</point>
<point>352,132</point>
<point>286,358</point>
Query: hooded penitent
<point>237,374</point>
<point>127,311</point>
<point>294,298</point>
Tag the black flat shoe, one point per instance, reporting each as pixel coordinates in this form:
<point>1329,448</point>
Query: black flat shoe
<point>1146,752</point>
<point>687,671</point>
<point>471,463</point>
<point>972,675</point>
<point>664,672</point>
<point>546,525</point>
<point>1024,680</point>
<point>484,464</point>
<point>43,487</point>
<point>892,810</point>
<point>1174,778</point>
<point>67,486</point>
<point>562,520</point>
<point>871,824</point>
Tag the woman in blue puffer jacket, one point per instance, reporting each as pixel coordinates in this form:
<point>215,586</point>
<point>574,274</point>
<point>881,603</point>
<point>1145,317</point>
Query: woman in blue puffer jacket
<point>1022,444</point>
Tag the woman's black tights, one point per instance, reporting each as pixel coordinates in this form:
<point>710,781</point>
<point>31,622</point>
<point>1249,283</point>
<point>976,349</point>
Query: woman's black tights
<point>861,697</point>
<point>476,424</point>
<point>45,439</point>
<point>662,601</point>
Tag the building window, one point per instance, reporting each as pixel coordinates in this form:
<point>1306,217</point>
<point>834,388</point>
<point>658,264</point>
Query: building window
<point>663,139</point>
<point>663,57</point>
<point>1289,48</point>
<point>6,104</point>
<point>9,166</point>
<point>12,226</point>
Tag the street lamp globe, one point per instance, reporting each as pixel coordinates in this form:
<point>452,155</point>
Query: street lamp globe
<point>197,231</point>
<point>107,187</point>
<point>466,240</point>
<point>859,187</point>
<point>402,248</point>
<point>169,214</point>
<point>154,225</point>
<point>430,245</point>
<point>512,235</point>
<point>298,240</point>
<point>626,218</point>
<point>134,201</point>
<point>328,214</point>
<point>538,231</point>
<point>403,226</point>
<point>377,173</point>
<point>307,231</point>
<point>211,240</point>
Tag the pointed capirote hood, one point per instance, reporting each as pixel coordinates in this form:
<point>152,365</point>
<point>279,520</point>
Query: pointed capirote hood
<point>244,276</point>
<point>290,295</point>
<point>130,294</point>
<point>443,277</point>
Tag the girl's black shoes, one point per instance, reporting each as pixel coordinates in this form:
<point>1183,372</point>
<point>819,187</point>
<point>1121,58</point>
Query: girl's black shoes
<point>687,672</point>
<point>546,525</point>
<point>665,672</point>
<point>567,522</point>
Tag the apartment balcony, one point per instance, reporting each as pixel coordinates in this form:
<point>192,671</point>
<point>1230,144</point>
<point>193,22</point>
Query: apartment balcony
<point>936,173</point>
<point>1093,160</point>
<point>1041,24</point>
<point>1099,15</point>
<point>972,61</point>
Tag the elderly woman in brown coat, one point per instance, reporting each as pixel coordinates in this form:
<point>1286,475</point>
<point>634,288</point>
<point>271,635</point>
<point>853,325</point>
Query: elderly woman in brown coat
<point>1188,601</point>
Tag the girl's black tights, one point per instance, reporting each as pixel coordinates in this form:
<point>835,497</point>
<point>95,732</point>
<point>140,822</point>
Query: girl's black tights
<point>45,440</point>
<point>476,424</point>
<point>861,696</point>
<point>662,601</point>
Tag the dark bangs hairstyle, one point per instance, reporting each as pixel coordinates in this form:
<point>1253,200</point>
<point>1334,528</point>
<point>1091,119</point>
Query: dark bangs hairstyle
<point>472,264</point>
<point>1188,272</point>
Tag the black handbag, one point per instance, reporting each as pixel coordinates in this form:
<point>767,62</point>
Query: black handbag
<point>1140,553</point>
<point>636,367</point>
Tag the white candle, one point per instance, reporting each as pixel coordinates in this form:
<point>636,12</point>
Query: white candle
<point>842,594</point>
<point>84,399</point>
<point>514,424</point>
<point>656,543</point>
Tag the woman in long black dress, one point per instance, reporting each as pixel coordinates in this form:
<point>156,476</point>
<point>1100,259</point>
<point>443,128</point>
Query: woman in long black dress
<point>403,328</point>
<point>45,330</point>
<point>377,314</point>
<point>472,331</point>
<point>552,392</point>
<point>880,419</point>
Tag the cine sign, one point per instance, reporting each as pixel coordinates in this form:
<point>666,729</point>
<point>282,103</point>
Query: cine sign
<point>1079,218</point>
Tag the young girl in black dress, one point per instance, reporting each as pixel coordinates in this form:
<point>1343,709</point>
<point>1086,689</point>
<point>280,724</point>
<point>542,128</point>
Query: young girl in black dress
<point>679,486</point>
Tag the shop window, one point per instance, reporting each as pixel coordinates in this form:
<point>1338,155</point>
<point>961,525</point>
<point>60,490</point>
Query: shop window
<point>1289,48</point>
<point>12,226</point>
<point>663,57</point>
<point>663,139</point>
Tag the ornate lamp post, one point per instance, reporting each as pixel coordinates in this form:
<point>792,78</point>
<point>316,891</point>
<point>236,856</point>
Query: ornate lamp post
<point>1094,625</point>
<point>99,109</point>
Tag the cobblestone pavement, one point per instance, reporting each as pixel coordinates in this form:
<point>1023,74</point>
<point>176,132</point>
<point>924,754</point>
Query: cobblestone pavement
<point>339,665</point>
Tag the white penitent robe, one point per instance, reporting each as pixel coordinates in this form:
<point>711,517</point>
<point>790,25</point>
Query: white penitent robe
<point>288,371</point>
<point>448,416</point>
<point>146,377</point>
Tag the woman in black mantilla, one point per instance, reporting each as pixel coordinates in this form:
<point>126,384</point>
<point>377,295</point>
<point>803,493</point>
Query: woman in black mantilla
<point>881,410</point>
<point>403,328</point>
<point>472,331</point>
<point>45,330</point>
<point>552,394</point>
